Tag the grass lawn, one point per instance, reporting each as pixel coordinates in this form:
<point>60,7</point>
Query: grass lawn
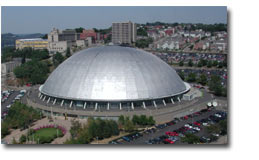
<point>46,132</point>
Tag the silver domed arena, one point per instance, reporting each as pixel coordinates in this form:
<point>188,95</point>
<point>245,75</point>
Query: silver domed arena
<point>113,77</point>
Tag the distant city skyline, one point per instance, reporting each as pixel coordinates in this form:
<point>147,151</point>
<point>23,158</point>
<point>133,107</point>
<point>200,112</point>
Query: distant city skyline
<point>25,20</point>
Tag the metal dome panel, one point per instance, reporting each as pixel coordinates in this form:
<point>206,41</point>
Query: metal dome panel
<point>113,73</point>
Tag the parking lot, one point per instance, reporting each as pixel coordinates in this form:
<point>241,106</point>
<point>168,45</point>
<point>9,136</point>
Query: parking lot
<point>172,131</point>
<point>222,73</point>
<point>8,98</point>
<point>195,57</point>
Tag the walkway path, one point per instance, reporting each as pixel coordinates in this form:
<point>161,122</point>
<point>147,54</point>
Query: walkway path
<point>57,120</point>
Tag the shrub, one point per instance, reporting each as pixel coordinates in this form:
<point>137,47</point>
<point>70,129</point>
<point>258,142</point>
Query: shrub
<point>22,139</point>
<point>43,139</point>
<point>4,129</point>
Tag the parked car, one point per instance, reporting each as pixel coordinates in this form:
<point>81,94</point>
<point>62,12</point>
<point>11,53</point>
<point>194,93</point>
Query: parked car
<point>168,141</point>
<point>185,117</point>
<point>197,128</point>
<point>126,138</point>
<point>197,123</point>
<point>215,134</point>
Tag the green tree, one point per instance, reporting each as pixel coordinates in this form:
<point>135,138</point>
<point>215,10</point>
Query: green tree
<point>129,126</point>
<point>4,129</point>
<point>19,72</point>
<point>79,30</point>
<point>215,85</point>
<point>181,63</point>
<point>121,120</point>
<point>203,62</point>
<point>191,77</point>
<point>143,43</point>
<point>91,128</point>
<point>143,120</point>
<point>68,53</point>
<point>141,32</point>
<point>213,129</point>
<point>23,58</point>
<point>199,64</point>
<point>99,128</point>
<point>224,92</point>
<point>191,139</point>
<point>203,79</point>
<point>209,64</point>
<point>22,139</point>
<point>115,128</point>
<point>215,63</point>
<point>181,74</point>
<point>57,59</point>
<point>225,63</point>
<point>190,63</point>
<point>107,130</point>
<point>45,36</point>
<point>223,126</point>
<point>34,71</point>
<point>151,121</point>
<point>135,119</point>
<point>191,47</point>
<point>20,116</point>
<point>75,128</point>
<point>220,65</point>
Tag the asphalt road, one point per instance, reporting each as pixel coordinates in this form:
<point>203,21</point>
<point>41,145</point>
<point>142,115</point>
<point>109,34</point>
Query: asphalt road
<point>161,132</point>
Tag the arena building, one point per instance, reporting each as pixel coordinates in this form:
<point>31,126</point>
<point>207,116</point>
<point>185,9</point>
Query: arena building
<point>112,77</point>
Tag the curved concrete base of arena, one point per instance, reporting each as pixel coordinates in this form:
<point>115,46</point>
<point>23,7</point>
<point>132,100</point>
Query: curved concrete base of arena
<point>161,113</point>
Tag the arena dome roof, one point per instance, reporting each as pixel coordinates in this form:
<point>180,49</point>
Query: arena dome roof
<point>113,73</point>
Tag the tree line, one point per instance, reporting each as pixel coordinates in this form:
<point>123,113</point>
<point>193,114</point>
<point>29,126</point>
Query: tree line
<point>203,63</point>
<point>143,43</point>
<point>129,125</point>
<point>97,129</point>
<point>8,53</point>
<point>214,82</point>
<point>35,72</point>
<point>19,116</point>
<point>94,129</point>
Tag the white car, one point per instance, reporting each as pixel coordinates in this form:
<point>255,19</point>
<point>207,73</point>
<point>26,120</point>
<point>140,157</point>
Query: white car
<point>205,124</point>
<point>17,98</point>
<point>217,115</point>
<point>9,106</point>
<point>19,95</point>
<point>187,125</point>
<point>23,91</point>
<point>197,128</point>
<point>215,134</point>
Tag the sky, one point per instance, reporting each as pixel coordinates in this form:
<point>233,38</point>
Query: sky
<point>24,20</point>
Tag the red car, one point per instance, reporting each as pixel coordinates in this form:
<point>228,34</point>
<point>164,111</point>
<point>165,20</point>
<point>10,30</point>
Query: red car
<point>168,141</point>
<point>28,84</point>
<point>196,123</point>
<point>172,133</point>
<point>185,117</point>
<point>197,113</point>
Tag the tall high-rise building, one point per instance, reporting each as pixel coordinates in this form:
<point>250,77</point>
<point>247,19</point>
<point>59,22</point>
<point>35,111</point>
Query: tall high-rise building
<point>124,33</point>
